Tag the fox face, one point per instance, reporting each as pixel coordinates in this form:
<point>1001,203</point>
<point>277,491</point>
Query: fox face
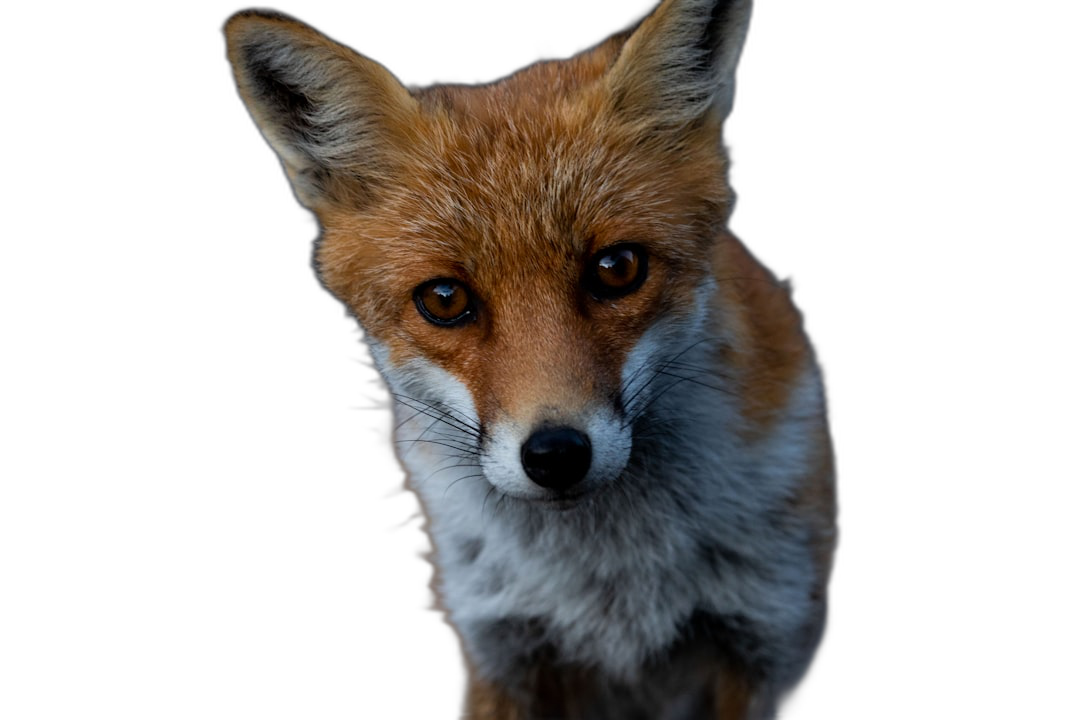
<point>545,338</point>
<point>544,274</point>
<point>523,244</point>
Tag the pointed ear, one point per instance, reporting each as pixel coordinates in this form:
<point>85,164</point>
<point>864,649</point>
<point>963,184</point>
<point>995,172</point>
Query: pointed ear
<point>677,68</point>
<point>335,118</point>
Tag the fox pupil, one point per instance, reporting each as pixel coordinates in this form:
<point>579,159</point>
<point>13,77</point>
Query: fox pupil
<point>618,269</point>
<point>445,295</point>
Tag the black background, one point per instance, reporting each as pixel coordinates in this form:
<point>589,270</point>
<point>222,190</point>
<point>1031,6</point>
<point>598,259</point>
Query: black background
<point>281,559</point>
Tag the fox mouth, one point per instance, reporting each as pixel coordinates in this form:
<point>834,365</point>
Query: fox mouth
<point>553,500</point>
<point>566,502</point>
<point>563,500</point>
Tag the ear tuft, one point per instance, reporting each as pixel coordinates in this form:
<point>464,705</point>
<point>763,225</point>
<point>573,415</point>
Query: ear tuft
<point>678,67</point>
<point>332,115</point>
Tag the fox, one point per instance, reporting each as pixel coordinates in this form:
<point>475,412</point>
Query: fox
<point>608,408</point>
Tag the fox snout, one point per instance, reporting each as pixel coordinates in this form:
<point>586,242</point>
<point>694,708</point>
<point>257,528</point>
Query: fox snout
<point>556,458</point>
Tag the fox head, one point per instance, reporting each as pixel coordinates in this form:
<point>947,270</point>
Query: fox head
<point>522,255</point>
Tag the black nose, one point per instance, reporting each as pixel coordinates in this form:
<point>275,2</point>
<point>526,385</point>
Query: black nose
<point>556,458</point>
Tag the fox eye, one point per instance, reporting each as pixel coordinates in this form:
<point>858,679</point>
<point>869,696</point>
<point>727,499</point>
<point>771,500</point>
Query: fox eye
<point>617,270</point>
<point>444,302</point>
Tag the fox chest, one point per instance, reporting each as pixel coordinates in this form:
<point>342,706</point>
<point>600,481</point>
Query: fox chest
<point>643,640</point>
<point>599,650</point>
<point>527,591</point>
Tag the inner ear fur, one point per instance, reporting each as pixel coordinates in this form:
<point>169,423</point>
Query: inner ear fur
<point>335,118</point>
<point>677,68</point>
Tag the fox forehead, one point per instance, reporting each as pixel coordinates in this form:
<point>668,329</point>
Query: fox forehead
<point>496,197</point>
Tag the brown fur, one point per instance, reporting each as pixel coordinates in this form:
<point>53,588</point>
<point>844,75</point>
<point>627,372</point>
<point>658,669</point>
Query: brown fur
<point>770,351</point>
<point>574,693</point>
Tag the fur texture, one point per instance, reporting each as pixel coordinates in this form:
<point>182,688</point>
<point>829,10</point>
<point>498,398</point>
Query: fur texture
<point>684,575</point>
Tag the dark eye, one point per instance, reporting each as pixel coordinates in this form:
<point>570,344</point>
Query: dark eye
<point>444,302</point>
<point>618,270</point>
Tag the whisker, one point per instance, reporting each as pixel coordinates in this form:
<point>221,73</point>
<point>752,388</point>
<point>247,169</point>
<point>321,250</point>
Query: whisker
<point>441,407</point>
<point>419,438</point>
<point>640,412</point>
<point>459,448</point>
<point>704,370</point>
<point>462,416</point>
<point>661,365</point>
<point>406,420</point>
<point>448,436</point>
<point>464,477</point>
<point>439,414</point>
<point>484,505</point>
<point>726,391</point>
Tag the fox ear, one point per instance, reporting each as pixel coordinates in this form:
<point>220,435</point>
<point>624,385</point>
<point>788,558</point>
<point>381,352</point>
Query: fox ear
<point>678,66</point>
<point>334,117</point>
